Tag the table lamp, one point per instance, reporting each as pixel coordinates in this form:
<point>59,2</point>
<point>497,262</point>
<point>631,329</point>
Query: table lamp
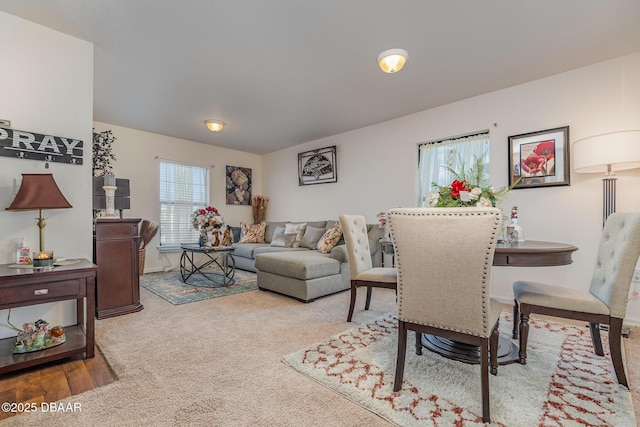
<point>39,192</point>
<point>606,154</point>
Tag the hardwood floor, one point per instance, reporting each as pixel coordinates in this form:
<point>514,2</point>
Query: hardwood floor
<point>55,381</point>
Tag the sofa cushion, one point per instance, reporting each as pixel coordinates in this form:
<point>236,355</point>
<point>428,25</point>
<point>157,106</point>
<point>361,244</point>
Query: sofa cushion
<point>252,233</point>
<point>297,228</point>
<point>247,250</point>
<point>301,265</point>
<point>311,237</point>
<point>282,239</point>
<point>271,227</point>
<point>330,238</point>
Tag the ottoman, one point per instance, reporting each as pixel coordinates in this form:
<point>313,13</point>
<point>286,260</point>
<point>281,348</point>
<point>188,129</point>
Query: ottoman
<point>304,275</point>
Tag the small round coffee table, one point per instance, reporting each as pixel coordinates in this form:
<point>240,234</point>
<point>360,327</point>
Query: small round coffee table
<point>219,258</point>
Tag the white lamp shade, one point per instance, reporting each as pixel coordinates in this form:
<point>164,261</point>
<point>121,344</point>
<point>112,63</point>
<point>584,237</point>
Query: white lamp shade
<point>392,60</point>
<point>619,150</point>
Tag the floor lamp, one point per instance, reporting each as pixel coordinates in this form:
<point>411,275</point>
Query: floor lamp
<point>606,154</point>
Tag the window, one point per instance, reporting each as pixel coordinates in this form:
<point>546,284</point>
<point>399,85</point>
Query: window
<point>183,189</point>
<point>455,153</point>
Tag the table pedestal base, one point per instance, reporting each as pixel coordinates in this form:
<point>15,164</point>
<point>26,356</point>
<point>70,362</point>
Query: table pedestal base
<point>507,350</point>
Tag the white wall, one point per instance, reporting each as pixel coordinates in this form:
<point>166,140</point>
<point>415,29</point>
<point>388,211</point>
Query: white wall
<point>46,87</point>
<point>377,165</point>
<point>137,159</point>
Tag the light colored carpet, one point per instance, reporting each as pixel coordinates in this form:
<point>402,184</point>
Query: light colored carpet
<point>564,383</point>
<point>217,362</point>
<point>171,287</point>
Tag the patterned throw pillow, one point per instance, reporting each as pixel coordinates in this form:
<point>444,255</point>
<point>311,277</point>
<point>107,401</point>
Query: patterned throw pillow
<point>330,238</point>
<point>252,233</point>
<point>296,228</point>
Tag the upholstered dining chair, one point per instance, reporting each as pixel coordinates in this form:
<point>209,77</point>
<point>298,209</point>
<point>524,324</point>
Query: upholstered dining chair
<point>605,302</point>
<point>361,270</point>
<point>444,258</point>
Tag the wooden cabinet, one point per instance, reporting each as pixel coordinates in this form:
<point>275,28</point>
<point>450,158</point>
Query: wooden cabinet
<point>115,252</point>
<point>21,287</point>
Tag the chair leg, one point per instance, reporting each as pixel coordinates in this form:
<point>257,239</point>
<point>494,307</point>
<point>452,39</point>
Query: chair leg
<point>493,349</point>
<point>352,304</point>
<point>484,377</point>
<point>615,347</point>
<point>419,343</point>
<point>524,333</point>
<point>366,306</point>
<point>402,350</point>
<point>594,328</point>
<point>516,317</point>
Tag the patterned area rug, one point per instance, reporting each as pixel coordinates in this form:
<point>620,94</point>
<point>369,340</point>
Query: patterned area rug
<point>563,383</point>
<point>170,287</point>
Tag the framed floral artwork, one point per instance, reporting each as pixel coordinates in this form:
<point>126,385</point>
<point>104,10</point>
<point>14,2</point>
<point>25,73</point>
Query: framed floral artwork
<point>317,166</point>
<point>539,159</point>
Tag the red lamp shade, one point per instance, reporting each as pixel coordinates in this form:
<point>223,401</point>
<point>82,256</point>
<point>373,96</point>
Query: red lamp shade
<point>38,191</point>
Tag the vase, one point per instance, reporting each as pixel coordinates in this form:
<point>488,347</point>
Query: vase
<point>202,241</point>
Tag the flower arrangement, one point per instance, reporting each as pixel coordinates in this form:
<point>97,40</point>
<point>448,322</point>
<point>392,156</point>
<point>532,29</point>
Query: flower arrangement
<point>206,219</point>
<point>468,189</point>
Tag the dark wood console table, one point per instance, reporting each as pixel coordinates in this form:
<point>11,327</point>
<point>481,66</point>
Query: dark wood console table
<point>20,287</point>
<point>530,253</point>
<point>115,252</point>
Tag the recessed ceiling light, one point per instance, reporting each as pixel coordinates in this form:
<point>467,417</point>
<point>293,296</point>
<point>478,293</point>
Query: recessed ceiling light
<point>392,60</point>
<point>214,125</point>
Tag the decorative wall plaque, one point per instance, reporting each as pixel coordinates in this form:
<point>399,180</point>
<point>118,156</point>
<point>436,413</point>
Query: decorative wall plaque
<point>34,146</point>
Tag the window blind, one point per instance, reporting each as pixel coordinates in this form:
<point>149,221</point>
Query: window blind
<point>183,189</point>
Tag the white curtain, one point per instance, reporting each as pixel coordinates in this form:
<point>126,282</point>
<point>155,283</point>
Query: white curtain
<point>455,152</point>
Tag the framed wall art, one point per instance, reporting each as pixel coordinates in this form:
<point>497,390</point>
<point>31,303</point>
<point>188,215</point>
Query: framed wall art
<point>239,185</point>
<point>539,159</point>
<point>317,166</point>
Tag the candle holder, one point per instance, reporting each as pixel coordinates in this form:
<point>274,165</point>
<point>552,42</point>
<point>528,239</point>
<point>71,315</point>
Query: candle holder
<point>43,259</point>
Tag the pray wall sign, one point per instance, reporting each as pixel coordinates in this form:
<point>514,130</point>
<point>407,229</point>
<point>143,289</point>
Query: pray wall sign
<point>35,146</point>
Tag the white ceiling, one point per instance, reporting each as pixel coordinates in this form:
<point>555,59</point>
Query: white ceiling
<point>284,72</point>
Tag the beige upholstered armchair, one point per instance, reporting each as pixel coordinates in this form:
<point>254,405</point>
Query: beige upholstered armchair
<point>444,258</point>
<point>605,302</point>
<point>361,270</point>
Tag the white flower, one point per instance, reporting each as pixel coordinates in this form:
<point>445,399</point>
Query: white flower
<point>484,202</point>
<point>433,198</point>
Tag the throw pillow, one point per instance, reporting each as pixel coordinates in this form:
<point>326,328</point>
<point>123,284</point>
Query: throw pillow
<point>311,237</point>
<point>330,238</point>
<point>283,240</point>
<point>252,233</point>
<point>298,229</point>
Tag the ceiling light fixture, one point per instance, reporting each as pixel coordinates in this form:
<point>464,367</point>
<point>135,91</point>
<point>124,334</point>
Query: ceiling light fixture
<point>392,60</point>
<point>214,125</point>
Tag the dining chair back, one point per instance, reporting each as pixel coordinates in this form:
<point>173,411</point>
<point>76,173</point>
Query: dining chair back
<point>444,258</point>
<point>604,302</point>
<point>361,270</point>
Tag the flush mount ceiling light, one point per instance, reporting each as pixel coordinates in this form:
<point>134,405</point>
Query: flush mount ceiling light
<point>214,125</point>
<point>392,60</point>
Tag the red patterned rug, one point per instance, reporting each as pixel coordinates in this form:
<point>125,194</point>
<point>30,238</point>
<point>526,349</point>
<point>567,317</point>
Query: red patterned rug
<point>563,383</point>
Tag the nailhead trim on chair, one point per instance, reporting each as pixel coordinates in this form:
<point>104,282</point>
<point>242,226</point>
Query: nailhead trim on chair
<point>488,261</point>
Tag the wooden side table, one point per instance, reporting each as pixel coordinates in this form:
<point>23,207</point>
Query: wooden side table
<point>20,287</point>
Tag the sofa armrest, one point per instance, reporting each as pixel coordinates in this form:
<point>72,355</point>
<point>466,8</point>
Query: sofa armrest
<point>339,252</point>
